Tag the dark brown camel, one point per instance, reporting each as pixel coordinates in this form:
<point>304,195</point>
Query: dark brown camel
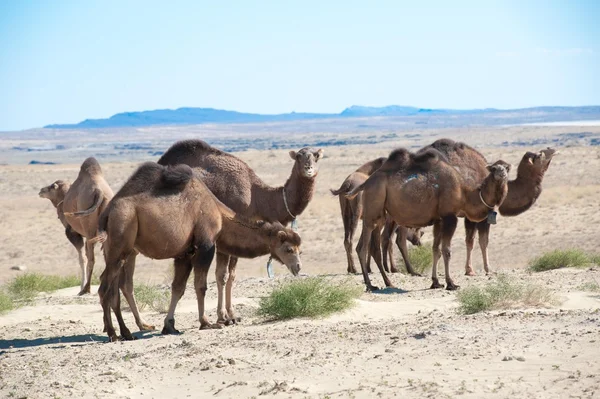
<point>352,210</point>
<point>165,212</point>
<point>403,235</point>
<point>235,184</point>
<point>418,190</point>
<point>522,192</point>
<point>56,192</point>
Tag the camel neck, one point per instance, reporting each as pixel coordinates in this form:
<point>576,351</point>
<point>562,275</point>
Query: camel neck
<point>522,194</point>
<point>298,192</point>
<point>242,238</point>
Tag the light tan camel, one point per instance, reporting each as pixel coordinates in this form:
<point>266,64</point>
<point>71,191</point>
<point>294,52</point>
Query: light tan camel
<point>418,190</point>
<point>86,199</point>
<point>522,192</point>
<point>235,184</point>
<point>56,192</point>
<point>165,212</point>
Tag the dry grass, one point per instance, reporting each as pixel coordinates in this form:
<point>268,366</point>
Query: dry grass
<point>153,297</point>
<point>421,258</point>
<point>562,258</point>
<point>503,293</point>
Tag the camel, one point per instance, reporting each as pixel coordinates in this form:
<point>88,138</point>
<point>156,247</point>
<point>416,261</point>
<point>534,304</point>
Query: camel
<point>168,213</point>
<point>352,210</point>
<point>56,192</point>
<point>421,189</point>
<point>522,191</point>
<point>235,184</point>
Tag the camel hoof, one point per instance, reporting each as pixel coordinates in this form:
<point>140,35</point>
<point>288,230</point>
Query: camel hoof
<point>147,327</point>
<point>215,326</point>
<point>372,288</point>
<point>436,285</point>
<point>452,287</point>
<point>169,331</point>
<point>394,271</point>
<point>415,274</point>
<point>113,338</point>
<point>470,272</point>
<point>83,292</point>
<point>127,337</point>
<point>352,271</point>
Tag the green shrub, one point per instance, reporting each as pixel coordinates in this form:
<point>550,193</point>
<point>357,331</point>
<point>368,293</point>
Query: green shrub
<point>25,287</point>
<point>6,302</point>
<point>308,297</point>
<point>421,258</point>
<point>153,297</point>
<point>560,258</point>
<point>595,259</point>
<point>503,294</point>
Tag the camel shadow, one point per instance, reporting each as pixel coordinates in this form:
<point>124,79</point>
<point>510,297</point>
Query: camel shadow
<point>390,290</point>
<point>70,340</point>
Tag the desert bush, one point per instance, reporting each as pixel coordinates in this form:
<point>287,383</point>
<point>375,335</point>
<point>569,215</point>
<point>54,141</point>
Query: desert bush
<point>561,258</point>
<point>421,258</point>
<point>590,286</point>
<point>503,293</point>
<point>25,287</point>
<point>6,302</point>
<point>153,297</point>
<point>308,297</point>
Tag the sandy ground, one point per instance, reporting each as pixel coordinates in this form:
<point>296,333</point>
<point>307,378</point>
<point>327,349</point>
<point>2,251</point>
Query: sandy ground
<point>406,343</point>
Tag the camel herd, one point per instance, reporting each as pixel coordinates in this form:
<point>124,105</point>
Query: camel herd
<point>198,201</point>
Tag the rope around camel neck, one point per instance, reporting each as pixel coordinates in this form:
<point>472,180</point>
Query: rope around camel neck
<point>287,208</point>
<point>482,200</point>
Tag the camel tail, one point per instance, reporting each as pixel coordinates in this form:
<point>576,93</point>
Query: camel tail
<point>102,223</point>
<point>354,192</point>
<point>176,176</point>
<point>99,198</point>
<point>344,188</point>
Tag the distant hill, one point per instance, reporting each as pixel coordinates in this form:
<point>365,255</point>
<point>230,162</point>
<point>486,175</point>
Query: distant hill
<point>194,116</point>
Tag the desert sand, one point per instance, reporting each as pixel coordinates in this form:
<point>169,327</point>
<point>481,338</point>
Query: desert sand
<point>409,342</point>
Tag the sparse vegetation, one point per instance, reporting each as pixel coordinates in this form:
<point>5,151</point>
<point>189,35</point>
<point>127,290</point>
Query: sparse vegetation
<point>308,297</point>
<point>590,286</point>
<point>562,258</point>
<point>421,258</point>
<point>503,293</point>
<point>6,302</point>
<point>25,287</point>
<point>153,297</point>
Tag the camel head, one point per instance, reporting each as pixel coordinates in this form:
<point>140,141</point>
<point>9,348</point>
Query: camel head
<point>499,170</point>
<point>414,236</point>
<point>285,248</point>
<point>306,161</point>
<point>536,164</point>
<point>56,191</point>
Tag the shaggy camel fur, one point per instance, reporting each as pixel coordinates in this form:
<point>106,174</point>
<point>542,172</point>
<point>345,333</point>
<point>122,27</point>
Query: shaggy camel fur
<point>56,192</point>
<point>403,235</point>
<point>352,210</point>
<point>86,199</point>
<point>522,192</point>
<point>421,189</point>
<point>164,212</point>
<point>235,184</point>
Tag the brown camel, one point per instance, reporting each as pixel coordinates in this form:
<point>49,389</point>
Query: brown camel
<point>235,184</point>
<point>352,210</point>
<point>418,190</point>
<point>403,235</point>
<point>165,212</point>
<point>56,194</point>
<point>522,192</point>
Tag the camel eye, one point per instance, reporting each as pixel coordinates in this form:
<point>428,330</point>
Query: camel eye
<point>289,250</point>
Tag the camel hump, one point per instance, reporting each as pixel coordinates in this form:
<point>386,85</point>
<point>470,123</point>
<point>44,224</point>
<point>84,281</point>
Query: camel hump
<point>184,150</point>
<point>427,155</point>
<point>91,167</point>
<point>176,176</point>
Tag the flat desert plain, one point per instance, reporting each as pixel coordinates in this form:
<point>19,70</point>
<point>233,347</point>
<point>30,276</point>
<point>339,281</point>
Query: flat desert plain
<point>407,342</point>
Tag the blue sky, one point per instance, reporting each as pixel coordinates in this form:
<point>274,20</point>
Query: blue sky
<point>65,61</point>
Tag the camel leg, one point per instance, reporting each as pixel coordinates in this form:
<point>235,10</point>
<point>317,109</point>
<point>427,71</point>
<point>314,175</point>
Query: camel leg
<point>183,268</point>
<point>127,290</point>
<point>201,263</point>
<point>377,255</point>
<point>87,272</point>
<point>350,222</point>
<point>448,229</point>
<point>221,276</point>
<point>386,248</point>
<point>363,254</point>
<point>469,241</point>
<point>229,289</point>
<point>116,307</point>
<point>77,240</point>
<point>483,229</point>
<point>401,240</point>
<point>437,254</point>
<point>107,291</point>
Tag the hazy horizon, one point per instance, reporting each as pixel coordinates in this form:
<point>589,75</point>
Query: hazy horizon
<point>66,62</point>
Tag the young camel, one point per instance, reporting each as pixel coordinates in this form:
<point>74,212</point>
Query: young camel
<point>352,210</point>
<point>235,184</point>
<point>522,192</point>
<point>165,212</point>
<point>418,190</point>
<point>56,192</point>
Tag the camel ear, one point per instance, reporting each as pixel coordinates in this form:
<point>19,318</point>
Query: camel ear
<point>318,155</point>
<point>421,234</point>
<point>282,236</point>
<point>530,160</point>
<point>54,186</point>
<point>508,167</point>
<point>293,155</point>
<point>489,167</point>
